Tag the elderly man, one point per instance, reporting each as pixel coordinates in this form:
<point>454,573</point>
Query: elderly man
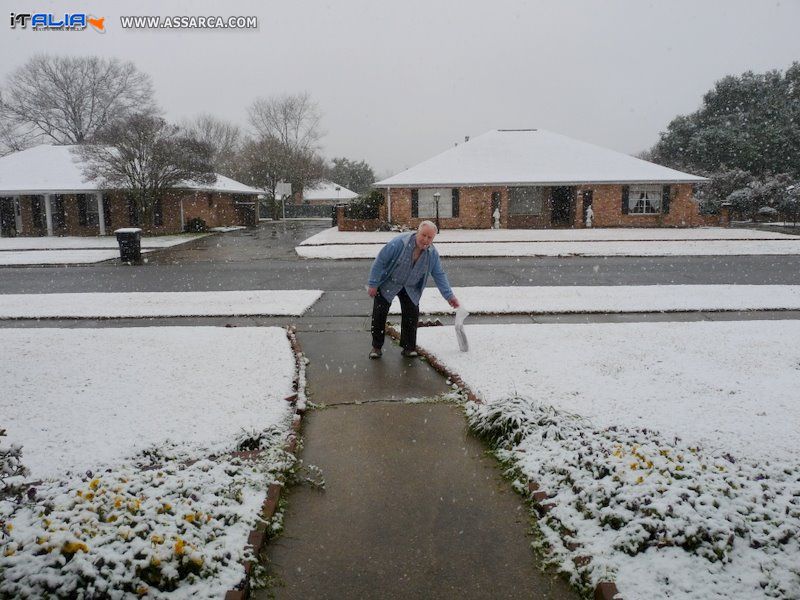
<point>401,269</point>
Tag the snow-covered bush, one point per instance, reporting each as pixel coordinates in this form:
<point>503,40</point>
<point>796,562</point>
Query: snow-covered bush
<point>625,492</point>
<point>137,530</point>
<point>11,468</point>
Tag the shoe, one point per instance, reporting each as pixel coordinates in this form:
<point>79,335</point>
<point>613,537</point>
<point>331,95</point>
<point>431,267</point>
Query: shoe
<point>376,353</point>
<point>410,353</point>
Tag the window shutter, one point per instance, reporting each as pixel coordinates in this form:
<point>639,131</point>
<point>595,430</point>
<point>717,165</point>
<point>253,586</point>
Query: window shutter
<point>82,218</point>
<point>625,190</point>
<point>665,199</point>
<point>415,203</point>
<point>456,199</point>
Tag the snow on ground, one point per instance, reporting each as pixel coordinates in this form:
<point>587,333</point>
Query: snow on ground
<point>227,229</point>
<point>57,257</point>
<point>613,299</point>
<point>157,304</point>
<point>90,242</point>
<point>80,399</point>
<point>669,448</point>
<point>75,250</point>
<point>790,245</point>
<point>730,385</point>
<point>334,236</point>
<point>138,516</point>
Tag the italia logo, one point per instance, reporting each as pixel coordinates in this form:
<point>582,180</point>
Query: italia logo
<point>65,22</point>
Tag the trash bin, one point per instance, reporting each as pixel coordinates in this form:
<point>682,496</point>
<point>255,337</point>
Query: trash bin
<point>130,244</point>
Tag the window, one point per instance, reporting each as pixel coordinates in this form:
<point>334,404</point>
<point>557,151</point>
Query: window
<point>87,209</point>
<point>525,200</point>
<point>427,203</point>
<point>644,199</point>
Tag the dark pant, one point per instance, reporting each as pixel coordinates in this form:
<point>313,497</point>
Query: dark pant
<point>408,328</point>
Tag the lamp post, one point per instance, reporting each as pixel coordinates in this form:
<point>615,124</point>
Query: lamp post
<point>283,206</point>
<point>436,197</point>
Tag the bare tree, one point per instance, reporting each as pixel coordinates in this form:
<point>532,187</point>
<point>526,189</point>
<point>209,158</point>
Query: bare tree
<point>267,161</point>
<point>224,138</point>
<point>294,120</point>
<point>146,156</point>
<point>11,138</point>
<point>68,100</point>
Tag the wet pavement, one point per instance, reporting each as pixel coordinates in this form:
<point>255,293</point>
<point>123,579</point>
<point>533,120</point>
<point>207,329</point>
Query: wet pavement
<point>412,506</point>
<point>264,258</point>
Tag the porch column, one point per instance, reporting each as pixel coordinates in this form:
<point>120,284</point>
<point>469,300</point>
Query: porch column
<point>101,217</point>
<point>48,211</point>
<point>389,204</point>
<point>18,214</point>
<point>183,222</point>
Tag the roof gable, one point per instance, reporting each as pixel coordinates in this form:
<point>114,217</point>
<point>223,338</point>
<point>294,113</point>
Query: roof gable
<point>49,169</point>
<point>533,157</point>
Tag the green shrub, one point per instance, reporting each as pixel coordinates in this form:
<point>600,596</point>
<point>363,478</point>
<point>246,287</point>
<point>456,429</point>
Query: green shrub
<point>196,225</point>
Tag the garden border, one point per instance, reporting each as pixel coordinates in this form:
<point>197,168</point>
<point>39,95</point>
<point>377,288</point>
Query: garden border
<point>257,537</point>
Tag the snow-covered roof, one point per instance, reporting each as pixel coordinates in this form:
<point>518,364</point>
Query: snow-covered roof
<point>534,157</point>
<point>49,169</point>
<point>328,190</point>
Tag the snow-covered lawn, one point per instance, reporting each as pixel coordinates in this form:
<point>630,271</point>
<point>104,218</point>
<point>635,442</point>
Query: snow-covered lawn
<point>334,236</point>
<point>114,419</point>
<point>57,257</point>
<point>90,242</point>
<point>610,299</point>
<point>77,250</point>
<point>157,304</point>
<point>669,448</point>
<point>790,245</point>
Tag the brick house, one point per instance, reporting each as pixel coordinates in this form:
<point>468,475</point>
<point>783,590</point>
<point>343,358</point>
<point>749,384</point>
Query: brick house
<point>43,193</point>
<point>326,193</point>
<point>538,179</point>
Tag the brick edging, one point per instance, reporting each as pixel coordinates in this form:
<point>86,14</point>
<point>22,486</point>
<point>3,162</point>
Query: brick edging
<point>541,499</point>
<point>257,537</point>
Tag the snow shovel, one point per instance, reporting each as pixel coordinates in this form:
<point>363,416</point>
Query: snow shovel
<point>461,336</point>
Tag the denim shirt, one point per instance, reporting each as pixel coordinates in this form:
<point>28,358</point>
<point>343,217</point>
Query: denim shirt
<point>393,270</point>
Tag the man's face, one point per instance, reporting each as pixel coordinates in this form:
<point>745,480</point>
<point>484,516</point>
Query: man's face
<point>425,237</point>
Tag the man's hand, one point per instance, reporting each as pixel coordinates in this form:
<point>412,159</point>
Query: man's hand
<point>372,292</point>
<point>454,302</point>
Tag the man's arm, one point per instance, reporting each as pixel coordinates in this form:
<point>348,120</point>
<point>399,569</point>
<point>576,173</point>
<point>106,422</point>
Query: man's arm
<point>381,263</point>
<point>440,277</point>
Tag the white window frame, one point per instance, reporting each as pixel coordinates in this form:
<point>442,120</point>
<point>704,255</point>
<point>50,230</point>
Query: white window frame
<point>538,200</point>
<point>92,211</point>
<point>645,199</point>
<point>426,205</point>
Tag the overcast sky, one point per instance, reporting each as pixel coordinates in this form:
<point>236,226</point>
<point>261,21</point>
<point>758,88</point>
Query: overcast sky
<point>399,82</point>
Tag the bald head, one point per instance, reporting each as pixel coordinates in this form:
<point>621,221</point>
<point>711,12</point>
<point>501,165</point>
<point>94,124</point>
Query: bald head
<point>425,234</point>
<point>429,224</point>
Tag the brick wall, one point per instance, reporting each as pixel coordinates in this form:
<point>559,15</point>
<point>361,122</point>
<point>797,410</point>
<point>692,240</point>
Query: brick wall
<point>475,210</point>
<point>683,210</point>
<point>215,209</point>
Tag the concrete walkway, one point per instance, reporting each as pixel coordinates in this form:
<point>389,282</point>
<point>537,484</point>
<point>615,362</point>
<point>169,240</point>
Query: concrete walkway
<point>412,506</point>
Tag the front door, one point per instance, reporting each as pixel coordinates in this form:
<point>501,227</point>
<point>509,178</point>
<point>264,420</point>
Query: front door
<point>561,201</point>
<point>494,215</point>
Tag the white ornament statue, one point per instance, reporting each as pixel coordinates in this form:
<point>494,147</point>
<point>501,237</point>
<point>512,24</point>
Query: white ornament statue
<point>589,216</point>
<point>496,216</point>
